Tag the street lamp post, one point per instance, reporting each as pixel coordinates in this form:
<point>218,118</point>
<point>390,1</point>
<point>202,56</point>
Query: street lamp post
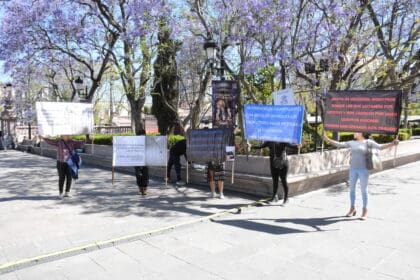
<point>311,68</point>
<point>80,88</point>
<point>212,51</point>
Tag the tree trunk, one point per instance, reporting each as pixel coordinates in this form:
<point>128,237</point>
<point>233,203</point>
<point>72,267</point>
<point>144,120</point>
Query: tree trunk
<point>136,117</point>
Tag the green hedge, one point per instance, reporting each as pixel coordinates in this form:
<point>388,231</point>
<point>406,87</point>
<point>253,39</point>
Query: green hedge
<point>416,131</point>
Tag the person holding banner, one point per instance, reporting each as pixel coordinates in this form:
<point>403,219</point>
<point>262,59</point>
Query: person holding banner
<point>64,148</point>
<point>279,166</point>
<point>358,169</point>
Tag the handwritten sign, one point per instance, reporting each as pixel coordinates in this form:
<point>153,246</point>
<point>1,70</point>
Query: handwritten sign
<point>156,150</point>
<point>129,151</point>
<point>61,118</point>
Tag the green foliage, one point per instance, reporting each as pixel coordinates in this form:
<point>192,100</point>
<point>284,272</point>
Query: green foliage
<point>172,139</point>
<point>416,131</point>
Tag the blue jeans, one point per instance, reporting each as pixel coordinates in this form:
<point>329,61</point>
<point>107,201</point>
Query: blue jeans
<point>363,175</point>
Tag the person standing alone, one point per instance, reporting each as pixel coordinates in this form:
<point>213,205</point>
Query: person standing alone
<point>64,148</point>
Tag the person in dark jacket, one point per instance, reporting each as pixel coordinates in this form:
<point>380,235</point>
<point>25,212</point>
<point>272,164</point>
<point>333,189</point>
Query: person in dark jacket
<point>64,147</point>
<point>142,178</point>
<point>279,166</point>
<point>175,153</point>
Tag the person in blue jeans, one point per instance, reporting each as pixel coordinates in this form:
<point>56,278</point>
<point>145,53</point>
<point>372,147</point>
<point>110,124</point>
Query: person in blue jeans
<point>358,169</point>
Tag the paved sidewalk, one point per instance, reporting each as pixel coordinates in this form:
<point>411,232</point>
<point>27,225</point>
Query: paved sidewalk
<point>307,239</point>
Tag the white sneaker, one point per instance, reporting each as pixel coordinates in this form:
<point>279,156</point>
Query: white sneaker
<point>60,196</point>
<point>213,195</point>
<point>221,196</point>
<point>66,194</point>
<point>180,183</point>
<point>274,200</point>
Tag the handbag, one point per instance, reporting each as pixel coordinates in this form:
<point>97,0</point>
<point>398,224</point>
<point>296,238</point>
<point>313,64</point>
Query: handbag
<point>373,160</point>
<point>279,162</point>
<point>74,162</point>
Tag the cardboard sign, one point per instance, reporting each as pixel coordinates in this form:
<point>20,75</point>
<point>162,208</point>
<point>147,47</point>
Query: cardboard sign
<point>274,123</point>
<point>284,97</point>
<point>129,151</point>
<point>372,111</point>
<point>139,150</point>
<point>206,145</point>
<point>156,150</point>
<point>61,118</point>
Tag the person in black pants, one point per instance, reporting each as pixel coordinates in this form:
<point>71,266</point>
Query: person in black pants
<point>142,177</point>
<point>278,151</point>
<point>64,148</point>
<point>142,172</point>
<point>175,153</point>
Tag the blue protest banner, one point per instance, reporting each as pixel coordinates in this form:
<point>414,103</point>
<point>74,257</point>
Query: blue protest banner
<point>274,123</point>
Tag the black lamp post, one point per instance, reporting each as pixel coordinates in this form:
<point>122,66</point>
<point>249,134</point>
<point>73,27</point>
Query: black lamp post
<point>311,68</point>
<point>81,90</point>
<point>212,51</point>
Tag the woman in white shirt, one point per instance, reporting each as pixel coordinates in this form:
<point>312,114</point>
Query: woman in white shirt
<point>358,169</point>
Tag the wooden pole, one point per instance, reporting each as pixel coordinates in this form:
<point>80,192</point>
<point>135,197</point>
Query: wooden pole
<point>394,162</point>
<point>166,176</point>
<point>188,173</point>
<point>233,172</point>
<point>113,175</point>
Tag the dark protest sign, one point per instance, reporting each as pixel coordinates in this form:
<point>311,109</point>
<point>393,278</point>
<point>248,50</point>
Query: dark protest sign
<point>224,103</point>
<point>205,145</point>
<point>372,111</point>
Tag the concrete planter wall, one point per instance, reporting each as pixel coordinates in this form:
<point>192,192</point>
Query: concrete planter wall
<point>252,175</point>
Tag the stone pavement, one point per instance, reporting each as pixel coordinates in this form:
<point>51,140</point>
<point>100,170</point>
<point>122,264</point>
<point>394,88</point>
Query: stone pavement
<point>307,239</point>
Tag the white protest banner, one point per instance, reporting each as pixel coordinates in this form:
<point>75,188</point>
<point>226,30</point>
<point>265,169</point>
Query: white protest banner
<point>156,150</point>
<point>62,118</point>
<point>129,151</point>
<point>284,97</point>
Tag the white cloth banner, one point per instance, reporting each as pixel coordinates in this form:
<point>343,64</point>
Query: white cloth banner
<point>139,151</point>
<point>129,151</point>
<point>284,97</point>
<point>61,118</point>
<point>156,150</point>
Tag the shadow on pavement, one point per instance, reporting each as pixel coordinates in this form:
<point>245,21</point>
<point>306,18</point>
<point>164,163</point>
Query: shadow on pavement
<point>315,223</point>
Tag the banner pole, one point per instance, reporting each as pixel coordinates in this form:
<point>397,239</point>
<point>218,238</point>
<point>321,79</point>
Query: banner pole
<point>233,172</point>
<point>395,152</point>
<point>166,176</point>
<point>299,150</point>
<point>93,146</point>
<point>113,175</point>
<point>188,175</point>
